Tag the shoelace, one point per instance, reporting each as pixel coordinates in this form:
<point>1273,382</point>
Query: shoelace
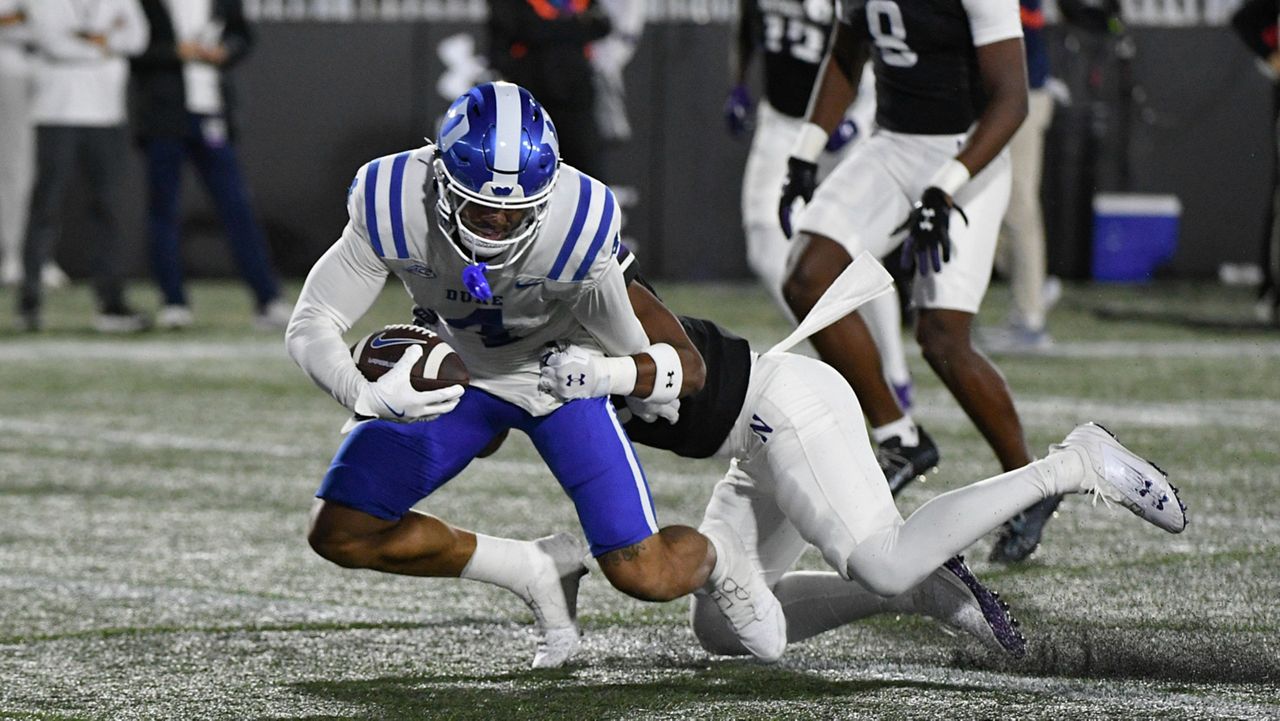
<point>1093,489</point>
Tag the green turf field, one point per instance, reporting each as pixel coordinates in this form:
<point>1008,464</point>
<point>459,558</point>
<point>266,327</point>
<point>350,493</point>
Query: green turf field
<point>154,495</point>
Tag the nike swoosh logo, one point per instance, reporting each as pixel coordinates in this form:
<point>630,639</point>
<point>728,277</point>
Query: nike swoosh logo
<point>528,284</point>
<point>394,412</point>
<point>380,342</point>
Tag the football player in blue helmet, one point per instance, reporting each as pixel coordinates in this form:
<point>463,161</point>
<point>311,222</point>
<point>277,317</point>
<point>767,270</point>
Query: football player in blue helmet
<point>493,196</point>
<point>494,179</point>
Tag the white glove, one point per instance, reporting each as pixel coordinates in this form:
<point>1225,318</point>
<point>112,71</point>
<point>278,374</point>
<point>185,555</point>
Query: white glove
<point>649,412</point>
<point>393,397</point>
<point>570,372</point>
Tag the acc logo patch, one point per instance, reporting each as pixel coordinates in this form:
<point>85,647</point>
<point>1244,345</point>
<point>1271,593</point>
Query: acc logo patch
<point>421,270</point>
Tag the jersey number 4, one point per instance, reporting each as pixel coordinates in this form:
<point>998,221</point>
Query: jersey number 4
<point>492,332</point>
<point>884,19</point>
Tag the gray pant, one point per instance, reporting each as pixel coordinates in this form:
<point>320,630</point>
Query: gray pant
<point>59,150</point>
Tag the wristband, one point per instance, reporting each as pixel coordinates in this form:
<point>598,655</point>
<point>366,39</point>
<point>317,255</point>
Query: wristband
<point>622,375</point>
<point>670,373</point>
<point>950,177</point>
<point>810,142</point>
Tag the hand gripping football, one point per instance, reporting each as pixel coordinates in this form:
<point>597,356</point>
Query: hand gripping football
<point>440,366</point>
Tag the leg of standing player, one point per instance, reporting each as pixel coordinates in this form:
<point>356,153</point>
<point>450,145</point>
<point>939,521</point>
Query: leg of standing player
<point>856,208</point>
<point>767,247</point>
<point>1023,240</point>
<point>948,301</point>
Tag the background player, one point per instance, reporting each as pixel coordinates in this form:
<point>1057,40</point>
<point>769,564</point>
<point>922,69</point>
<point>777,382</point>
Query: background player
<point>946,83</point>
<point>520,251</point>
<point>791,37</point>
<point>802,471</point>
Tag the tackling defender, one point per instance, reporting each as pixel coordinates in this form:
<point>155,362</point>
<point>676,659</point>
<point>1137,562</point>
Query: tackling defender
<point>505,248</point>
<point>951,85</point>
<point>802,472</point>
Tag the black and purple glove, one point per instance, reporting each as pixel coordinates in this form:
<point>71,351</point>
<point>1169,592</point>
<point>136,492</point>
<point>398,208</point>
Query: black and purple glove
<point>928,243</point>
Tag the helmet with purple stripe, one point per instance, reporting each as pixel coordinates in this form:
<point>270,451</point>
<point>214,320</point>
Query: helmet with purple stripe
<point>497,162</point>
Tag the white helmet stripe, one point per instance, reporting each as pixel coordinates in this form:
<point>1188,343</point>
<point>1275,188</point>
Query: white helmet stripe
<point>507,153</point>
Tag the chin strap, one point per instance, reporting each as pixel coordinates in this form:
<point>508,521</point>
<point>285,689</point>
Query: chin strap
<point>476,283</point>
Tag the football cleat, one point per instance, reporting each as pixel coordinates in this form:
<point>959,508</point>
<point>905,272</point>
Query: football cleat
<point>738,589</point>
<point>904,464</point>
<point>954,596</point>
<point>553,598</point>
<point>1020,535</point>
<point>1121,476</point>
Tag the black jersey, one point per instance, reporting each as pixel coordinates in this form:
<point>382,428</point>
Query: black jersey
<point>793,36</point>
<point>706,417</point>
<point>926,67</point>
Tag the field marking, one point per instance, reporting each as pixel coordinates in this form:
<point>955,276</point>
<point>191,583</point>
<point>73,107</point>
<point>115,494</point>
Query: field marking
<point>146,351</point>
<point>1251,414</point>
<point>64,436</point>
<point>186,349</point>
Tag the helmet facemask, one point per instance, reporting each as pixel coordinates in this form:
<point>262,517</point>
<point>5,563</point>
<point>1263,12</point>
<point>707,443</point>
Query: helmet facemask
<point>487,228</point>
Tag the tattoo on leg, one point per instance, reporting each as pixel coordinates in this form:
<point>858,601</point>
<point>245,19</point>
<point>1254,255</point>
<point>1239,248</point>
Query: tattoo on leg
<point>622,555</point>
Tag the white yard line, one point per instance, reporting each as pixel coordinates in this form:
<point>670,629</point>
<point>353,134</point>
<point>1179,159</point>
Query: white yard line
<point>148,351</point>
<point>933,408</point>
<point>937,407</point>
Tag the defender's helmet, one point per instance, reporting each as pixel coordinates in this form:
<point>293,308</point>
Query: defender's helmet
<point>498,160</point>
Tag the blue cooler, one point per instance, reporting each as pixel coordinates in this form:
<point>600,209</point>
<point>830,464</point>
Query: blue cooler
<point>1132,234</point>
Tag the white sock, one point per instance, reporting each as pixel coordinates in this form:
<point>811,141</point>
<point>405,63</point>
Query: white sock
<point>904,428</point>
<point>503,562</point>
<point>721,566</point>
<point>818,601</point>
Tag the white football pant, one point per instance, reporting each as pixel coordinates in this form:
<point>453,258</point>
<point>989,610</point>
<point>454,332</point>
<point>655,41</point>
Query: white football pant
<point>803,472</point>
<point>871,191</point>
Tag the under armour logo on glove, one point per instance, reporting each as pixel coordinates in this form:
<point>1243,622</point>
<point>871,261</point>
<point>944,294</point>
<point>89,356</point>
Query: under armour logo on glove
<point>928,229</point>
<point>582,380</point>
<point>671,378</point>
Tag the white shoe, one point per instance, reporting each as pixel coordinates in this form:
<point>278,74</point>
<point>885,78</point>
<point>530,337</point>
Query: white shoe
<point>954,596</point>
<point>273,316</point>
<point>737,587</point>
<point>174,317</point>
<point>53,277</point>
<point>121,322</point>
<point>553,598</point>
<point>1121,476</point>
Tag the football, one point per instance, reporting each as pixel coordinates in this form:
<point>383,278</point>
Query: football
<point>439,367</point>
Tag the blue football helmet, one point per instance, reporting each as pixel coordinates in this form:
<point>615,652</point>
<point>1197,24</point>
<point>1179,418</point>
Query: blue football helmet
<point>497,155</point>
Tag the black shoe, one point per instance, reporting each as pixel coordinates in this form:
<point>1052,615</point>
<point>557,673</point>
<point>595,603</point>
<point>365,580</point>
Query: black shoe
<point>1020,535</point>
<point>903,464</point>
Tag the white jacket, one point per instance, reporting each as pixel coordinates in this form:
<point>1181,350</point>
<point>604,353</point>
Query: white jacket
<point>77,82</point>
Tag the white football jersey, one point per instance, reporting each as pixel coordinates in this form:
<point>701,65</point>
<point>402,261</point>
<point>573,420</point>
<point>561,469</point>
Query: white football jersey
<point>565,287</point>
